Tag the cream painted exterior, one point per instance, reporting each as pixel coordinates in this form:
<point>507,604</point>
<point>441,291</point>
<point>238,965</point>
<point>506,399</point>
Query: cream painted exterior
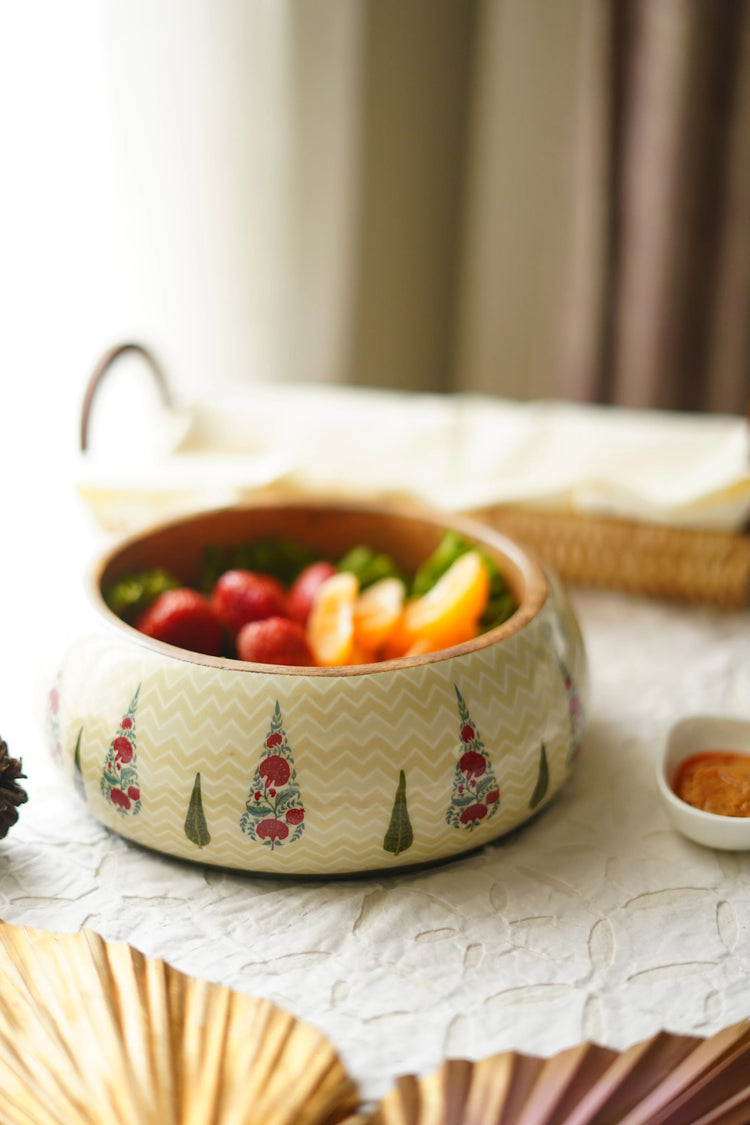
<point>350,737</point>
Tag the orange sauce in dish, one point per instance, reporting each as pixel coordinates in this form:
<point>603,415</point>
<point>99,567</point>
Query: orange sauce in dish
<point>717,781</point>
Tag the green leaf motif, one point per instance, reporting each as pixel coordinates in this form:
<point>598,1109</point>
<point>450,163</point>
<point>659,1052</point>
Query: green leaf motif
<point>542,781</point>
<point>196,828</point>
<point>77,771</point>
<point>463,710</point>
<point>400,834</point>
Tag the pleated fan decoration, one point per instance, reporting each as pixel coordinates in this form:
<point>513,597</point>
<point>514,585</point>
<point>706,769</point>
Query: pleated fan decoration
<point>94,1033</point>
<point>665,1080</point>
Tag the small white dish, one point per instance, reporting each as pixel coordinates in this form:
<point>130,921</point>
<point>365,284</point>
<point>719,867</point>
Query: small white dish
<point>695,735</point>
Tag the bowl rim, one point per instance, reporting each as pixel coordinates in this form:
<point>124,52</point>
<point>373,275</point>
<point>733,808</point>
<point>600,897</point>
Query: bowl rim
<point>525,562</point>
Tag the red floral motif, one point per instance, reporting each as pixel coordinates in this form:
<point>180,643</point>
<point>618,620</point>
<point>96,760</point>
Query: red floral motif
<point>275,770</point>
<point>272,829</point>
<point>123,749</point>
<point>472,764</point>
<point>473,813</point>
<point>475,794</point>
<point>273,810</point>
<point>54,700</point>
<point>119,779</point>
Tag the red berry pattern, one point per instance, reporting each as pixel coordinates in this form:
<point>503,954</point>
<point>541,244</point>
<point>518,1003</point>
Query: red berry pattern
<point>274,813</point>
<point>123,747</point>
<point>472,765</point>
<point>473,814</point>
<point>119,784</point>
<point>274,770</point>
<point>272,829</point>
<point>476,794</point>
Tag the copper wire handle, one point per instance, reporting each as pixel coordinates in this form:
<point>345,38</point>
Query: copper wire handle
<point>103,366</point>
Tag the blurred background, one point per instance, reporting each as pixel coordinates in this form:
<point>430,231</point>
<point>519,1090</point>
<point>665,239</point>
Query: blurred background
<point>517,197</point>
<point>527,199</point>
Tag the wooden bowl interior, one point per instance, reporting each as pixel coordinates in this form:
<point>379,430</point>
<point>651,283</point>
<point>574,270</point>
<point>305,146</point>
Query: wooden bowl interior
<point>329,530</point>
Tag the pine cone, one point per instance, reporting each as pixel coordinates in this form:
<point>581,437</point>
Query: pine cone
<point>11,793</point>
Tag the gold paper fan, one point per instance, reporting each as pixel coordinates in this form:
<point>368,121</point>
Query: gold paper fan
<point>666,1080</point>
<point>93,1033</point>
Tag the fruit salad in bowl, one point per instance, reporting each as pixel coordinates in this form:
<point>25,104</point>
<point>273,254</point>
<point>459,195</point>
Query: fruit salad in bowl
<point>318,689</point>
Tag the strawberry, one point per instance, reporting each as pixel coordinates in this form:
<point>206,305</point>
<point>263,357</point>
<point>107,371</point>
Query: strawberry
<point>303,590</point>
<point>240,596</point>
<point>275,640</point>
<point>184,618</point>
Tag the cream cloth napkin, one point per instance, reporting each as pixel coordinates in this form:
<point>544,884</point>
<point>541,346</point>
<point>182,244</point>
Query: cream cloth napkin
<point>456,452</point>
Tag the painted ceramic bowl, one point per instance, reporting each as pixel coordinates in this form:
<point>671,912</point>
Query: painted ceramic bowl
<point>700,734</point>
<point>319,771</point>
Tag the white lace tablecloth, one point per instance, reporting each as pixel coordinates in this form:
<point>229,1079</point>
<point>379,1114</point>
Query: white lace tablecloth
<point>596,921</point>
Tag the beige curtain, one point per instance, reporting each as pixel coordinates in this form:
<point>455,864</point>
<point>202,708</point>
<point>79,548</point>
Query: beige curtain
<point>234,153</point>
<point>517,197</point>
<point>535,225</point>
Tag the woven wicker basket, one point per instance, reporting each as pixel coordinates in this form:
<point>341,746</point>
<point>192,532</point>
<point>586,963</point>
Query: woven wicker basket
<point>712,567</point>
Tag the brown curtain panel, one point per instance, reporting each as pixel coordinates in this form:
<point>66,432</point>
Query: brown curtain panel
<point>677,330</point>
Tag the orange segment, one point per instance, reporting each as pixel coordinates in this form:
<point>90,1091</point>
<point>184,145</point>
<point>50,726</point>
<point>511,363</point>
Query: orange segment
<point>402,643</point>
<point>420,648</point>
<point>399,642</point>
<point>422,645</point>
<point>330,626</point>
<point>448,613</point>
<point>377,611</point>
